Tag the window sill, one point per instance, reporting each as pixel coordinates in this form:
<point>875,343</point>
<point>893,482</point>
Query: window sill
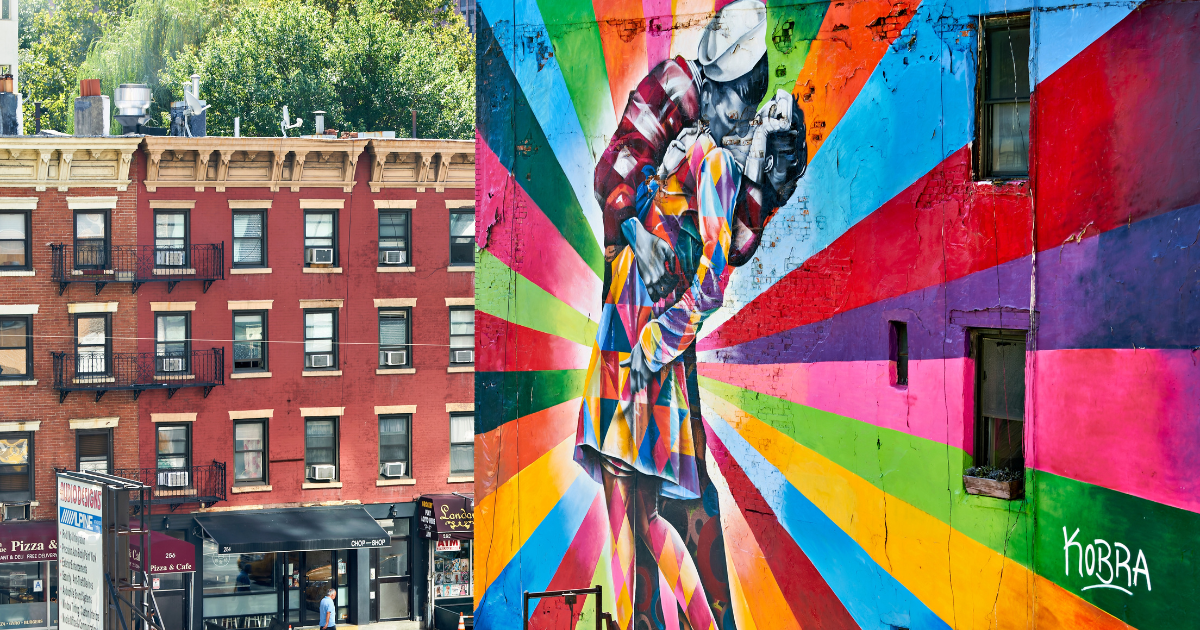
<point>396,371</point>
<point>15,273</point>
<point>322,270</point>
<point>321,486</point>
<point>174,272</point>
<point>321,373</point>
<point>244,489</point>
<point>453,369</point>
<point>250,375</point>
<point>15,383</point>
<point>461,479</point>
<point>1007,490</point>
<point>461,268</point>
<point>396,269</point>
<point>247,271</point>
<point>395,482</point>
<point>93,379</point>
<point>172,377</point>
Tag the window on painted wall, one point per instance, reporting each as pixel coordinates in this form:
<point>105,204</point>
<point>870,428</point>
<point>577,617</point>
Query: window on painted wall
<point>462,444</point>
<point>250,238</point>
<point>394,329</point>
<point>320,340</point>
<point>172,342</point>
<point>898,342</point>
<point>249,451</point>
<point>16,467</point>
<point>462,236</point>
<point>170,238</point>
<point>173,448</point>
<point>91,239</point>
<point>93,450</point>
<point>393,238</point>
<point>462,336</point>
<point>249,341</point>
<point>393,446</point>
<point>93,344</point>
<point>1003,117</point>
<point>16,346</point>
<point>320,238</point>
<point>321,449</point>
<point>999,398</point>
<point>14,241</point>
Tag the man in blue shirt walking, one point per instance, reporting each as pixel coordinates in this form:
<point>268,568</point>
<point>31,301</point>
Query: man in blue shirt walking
<point>328,610</point>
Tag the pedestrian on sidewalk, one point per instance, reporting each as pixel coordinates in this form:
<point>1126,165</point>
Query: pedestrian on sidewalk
<point>328,610</point>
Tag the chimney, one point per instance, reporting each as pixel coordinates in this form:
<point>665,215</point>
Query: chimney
<point>320,116</point>
<point>92,112</point>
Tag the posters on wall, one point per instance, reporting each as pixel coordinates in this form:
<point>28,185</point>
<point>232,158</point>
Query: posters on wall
<point>81,555</point>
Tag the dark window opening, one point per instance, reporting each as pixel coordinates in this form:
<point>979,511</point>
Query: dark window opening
<point>393,238</point>
<point>16,347</point>
<point>1000,399</point>
<point>462,237</point>
<point>15,241</point>
<point>1003,94</point>
<point>93,450</point>
<point>250,341</point>
<point>899,351</point>
<point>16,467</point>
<point>250,238</point>
<point>321,449</point>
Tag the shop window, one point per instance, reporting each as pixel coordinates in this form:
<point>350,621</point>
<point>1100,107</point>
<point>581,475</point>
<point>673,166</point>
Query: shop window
<point>249,341</point>
<point>93,344</point>
<point>898,345</point>
<point>1003,116</point>
<point>16,467</point>
<point>393,238</point>
<point>91,239</point>
<point>15,241</point>
<point>93,450</point>
<point>452,569</point>
<point>250,238</point>
<point>462,336</point>
<point>999,398</point>
<point>172,342</point>
<point>249,452</point>
<point>25,588</point>
<point>174,450</point>
<point>394,329</point>
<point>320,340</point>
<point>462,444</point>
<point>321,449</point>
<point>16,347</point>
<point>239,590</point>
<point>462,236</point>
<point>170,238</point>
<point>320,238</point>
<point>393,446</point>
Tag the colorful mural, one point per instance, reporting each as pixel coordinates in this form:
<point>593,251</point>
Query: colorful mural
<point>739,271</point>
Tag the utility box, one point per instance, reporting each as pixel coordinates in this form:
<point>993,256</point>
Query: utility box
<point>10,105</point>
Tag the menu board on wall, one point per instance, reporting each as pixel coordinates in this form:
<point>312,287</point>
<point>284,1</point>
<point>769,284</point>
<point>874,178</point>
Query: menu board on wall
<point>80,555</point>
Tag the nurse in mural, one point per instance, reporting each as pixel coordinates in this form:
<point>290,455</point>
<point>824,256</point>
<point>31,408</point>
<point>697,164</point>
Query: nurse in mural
<point>694,171</point>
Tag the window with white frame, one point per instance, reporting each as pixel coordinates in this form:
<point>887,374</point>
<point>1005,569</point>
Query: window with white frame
<point>462,444</point>
<point>462,335</point>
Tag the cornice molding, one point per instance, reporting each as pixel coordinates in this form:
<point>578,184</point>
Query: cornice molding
<point>66,162</point>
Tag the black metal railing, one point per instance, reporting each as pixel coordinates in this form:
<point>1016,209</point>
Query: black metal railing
<point>137,371</point>
<point>136,264</point>
<point>176,486</point>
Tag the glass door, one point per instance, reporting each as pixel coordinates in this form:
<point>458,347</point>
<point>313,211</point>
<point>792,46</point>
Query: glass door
<point>308,576</point>
<point>394,574</point>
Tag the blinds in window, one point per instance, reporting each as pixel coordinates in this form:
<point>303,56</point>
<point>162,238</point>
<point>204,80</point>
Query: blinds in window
<point>93,444</point>
<point>393,329</point>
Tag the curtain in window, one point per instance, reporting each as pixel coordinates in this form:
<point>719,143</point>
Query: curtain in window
<point>393,440</point>
<point>172,335</point>
<point>248,451</point>
<point>247,238</point>
<point>172,447</point>
<point>462,444</point>
<point>91,334</point>
<point>318,332</point>
<point>319,442</point>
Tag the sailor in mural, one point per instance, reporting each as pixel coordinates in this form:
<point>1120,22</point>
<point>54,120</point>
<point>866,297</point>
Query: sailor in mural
<point>698,165</point>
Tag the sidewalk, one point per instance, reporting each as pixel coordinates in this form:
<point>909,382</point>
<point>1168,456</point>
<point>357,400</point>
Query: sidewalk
<point>383,625</point>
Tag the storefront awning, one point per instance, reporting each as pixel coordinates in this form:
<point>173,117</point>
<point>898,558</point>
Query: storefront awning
<point>32,541</point>
<point>168,555</point>
<point>446,516</point>
<point>295,529</point>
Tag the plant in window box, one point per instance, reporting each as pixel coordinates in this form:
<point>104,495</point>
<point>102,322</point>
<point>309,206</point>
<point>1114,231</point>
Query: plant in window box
<point>989,481</point>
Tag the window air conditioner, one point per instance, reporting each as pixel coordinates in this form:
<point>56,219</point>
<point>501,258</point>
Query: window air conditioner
<point>395,357</point>
<point>393,469</point>
<point>172,365</point>
<point>394,258</point>
<point>319,256</point>
<point>173,479</point>
<point>16,512</point>
<point>322,472</point>
<point>169,258</point>
<point>321,360</point>
<point>124,276</point>
<point>464,356</point>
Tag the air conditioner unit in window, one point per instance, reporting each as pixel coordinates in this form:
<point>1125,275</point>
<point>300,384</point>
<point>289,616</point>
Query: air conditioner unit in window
<point>393,469</point>
<point>394,257</point>
<point>322,472</point>
<point>395,357</point>
<point>169,258</point>
<point>321,360</point>
<point>16,512</point>
<point>124,276</point>
<point>319,256</point>
<point>172,365</point>
<point>464,356</point>
<point>173,479</point>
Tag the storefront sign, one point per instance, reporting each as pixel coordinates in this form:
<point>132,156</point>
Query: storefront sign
<point>446,517</point>
<point>81,565</point>
<point>449,545</point>
<point>35,541</point>
<point>171,555</point>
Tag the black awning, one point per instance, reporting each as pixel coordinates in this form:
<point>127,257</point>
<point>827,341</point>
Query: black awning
<point>295,529</point>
